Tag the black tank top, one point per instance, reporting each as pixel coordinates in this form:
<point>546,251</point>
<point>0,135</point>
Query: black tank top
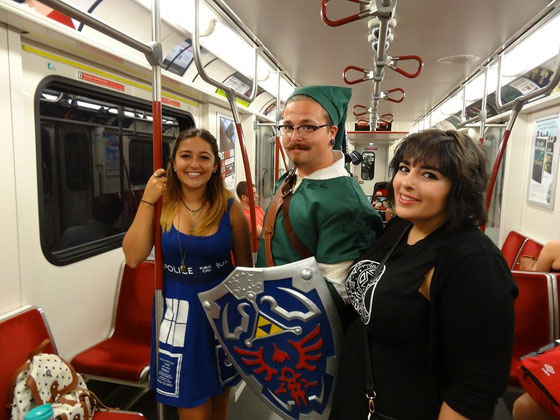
<point>397,317</point>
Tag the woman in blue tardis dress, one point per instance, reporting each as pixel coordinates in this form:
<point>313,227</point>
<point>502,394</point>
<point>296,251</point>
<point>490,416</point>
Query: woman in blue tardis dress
<point>201,227</point>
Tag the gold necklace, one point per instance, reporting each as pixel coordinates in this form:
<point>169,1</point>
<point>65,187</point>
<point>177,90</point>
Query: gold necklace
<point>183,266</point>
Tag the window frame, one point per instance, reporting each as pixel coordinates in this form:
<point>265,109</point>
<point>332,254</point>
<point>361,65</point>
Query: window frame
<point>89,249</point>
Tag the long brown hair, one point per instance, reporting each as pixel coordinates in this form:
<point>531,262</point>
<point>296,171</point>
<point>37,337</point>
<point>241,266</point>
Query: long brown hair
<point>217,195</point>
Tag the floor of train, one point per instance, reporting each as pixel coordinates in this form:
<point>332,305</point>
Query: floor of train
<point>243,402</point>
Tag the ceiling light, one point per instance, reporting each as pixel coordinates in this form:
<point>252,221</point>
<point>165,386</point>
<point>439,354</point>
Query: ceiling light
<point>460,59</point>
<point>540,46</point>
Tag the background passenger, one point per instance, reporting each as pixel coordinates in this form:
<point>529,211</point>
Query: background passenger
<point>437,316</point>
<point>328,210</point>
<point>526,408</point>
<point>548,259</point>
<point>201,226</point>
<point>389,214</point>
<point>243,194</point>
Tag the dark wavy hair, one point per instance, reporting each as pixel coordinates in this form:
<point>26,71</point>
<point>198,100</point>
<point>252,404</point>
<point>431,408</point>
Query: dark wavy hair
<point>460,159</point>
<point>217,194</point>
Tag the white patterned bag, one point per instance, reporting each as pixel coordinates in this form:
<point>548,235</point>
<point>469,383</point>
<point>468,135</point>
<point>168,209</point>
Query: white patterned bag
<point>47,378</point>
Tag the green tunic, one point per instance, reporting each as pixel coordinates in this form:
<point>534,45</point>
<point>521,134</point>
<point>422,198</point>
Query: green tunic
<point>332,217</point>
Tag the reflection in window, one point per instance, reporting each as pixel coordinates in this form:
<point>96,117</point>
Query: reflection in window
<point>95,158</point>
<point>368,165</point>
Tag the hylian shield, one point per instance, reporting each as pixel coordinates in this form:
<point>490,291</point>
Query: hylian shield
<point>280,328</point>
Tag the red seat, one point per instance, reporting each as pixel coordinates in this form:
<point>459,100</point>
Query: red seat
<point>529,247</point>
<point>21,332</point>
<point>535,316</point>
<point>511,247</point>
<point>124,357</point>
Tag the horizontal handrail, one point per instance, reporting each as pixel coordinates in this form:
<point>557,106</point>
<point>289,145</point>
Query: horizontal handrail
<point>202,71</point>
<point>368,75</point>
<point>546,13</point>
<point>545,90</point>
<point>393,61</point>
<point>146,48</point>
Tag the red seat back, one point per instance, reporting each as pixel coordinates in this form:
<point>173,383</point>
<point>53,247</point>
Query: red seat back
<point>529,247</point>
<point>134,307</point>
<point>21,332</point>
<point>534,312</point>
<point>511,246</point>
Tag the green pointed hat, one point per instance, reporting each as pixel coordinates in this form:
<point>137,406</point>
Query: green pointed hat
<point>335,101</point>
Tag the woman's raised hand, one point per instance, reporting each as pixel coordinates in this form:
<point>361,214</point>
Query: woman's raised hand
<point>155,187</point>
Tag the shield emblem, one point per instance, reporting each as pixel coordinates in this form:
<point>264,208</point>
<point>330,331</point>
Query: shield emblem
<point>281,330</point>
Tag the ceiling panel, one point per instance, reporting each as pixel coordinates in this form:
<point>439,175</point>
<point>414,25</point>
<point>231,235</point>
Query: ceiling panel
<point>315,53</point>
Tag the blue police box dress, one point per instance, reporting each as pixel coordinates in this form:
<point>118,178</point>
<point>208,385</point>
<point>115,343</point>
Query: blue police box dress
<point>192,365</point>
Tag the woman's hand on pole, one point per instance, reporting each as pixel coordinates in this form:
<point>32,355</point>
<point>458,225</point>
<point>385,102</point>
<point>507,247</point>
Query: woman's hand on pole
<point>156,186</point>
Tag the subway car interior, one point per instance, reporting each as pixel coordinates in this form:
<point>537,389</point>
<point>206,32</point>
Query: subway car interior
<point>95,92</point>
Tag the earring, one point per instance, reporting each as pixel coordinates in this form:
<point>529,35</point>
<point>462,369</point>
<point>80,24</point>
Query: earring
<point>174,169</point>
<point>331,142</point>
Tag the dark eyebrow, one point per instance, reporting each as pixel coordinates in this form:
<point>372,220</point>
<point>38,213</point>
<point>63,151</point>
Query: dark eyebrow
<point>303,122</point>
<point>190,151</point>
<point>431,168</point>
<point>424,166</point>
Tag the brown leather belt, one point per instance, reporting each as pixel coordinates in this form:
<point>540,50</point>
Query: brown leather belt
<point>282,199</point>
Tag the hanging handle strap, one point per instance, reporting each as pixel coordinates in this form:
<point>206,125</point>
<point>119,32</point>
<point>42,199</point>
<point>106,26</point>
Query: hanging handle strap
<point>385,95</point>
<point>393,64</point>
<point>359,113</point>
<point>367,75</point>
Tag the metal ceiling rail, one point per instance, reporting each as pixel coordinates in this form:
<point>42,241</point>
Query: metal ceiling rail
<point>153,53</point>
<point>516,106</point>
<point>151,50</point>
<point>543,91</point>
<point>227,13</point>
<point>548,12</point>
<point>381,28</point>
<point>231,96</point>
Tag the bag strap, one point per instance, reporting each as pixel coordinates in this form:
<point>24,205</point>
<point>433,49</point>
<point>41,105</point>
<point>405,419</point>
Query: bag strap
<point>13,377</point>
<point>370,384</point>
<point>282,200</point>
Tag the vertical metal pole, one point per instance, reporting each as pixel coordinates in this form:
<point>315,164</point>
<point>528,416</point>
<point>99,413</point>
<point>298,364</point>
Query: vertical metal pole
<point>230,94</point>
<point>517,107</point>
<point>277,144</point>
<point>463,109</point>
<point>157,161</point>
<point>482,113</point>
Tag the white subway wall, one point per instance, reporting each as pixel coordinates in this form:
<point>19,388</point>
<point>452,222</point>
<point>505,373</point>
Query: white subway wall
<point>537,222</point>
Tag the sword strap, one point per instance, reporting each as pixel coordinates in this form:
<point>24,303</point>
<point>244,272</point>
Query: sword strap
<point>282,200</point>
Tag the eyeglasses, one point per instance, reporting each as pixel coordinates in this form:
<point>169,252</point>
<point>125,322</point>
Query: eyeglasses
<point>305,131</point>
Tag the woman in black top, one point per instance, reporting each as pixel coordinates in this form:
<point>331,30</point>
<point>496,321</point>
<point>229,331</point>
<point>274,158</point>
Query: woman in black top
<point>438,316</point>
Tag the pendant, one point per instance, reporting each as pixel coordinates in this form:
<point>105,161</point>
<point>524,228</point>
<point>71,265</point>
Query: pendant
<point>183,268</point>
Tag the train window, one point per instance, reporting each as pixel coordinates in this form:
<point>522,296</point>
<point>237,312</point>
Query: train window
<point>95,156</point>
<point>368,165</point>
<point>76,160</point>
<point>141,156</point>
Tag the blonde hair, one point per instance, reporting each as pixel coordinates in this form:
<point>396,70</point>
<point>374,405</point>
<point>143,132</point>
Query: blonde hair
<point>216,195</point>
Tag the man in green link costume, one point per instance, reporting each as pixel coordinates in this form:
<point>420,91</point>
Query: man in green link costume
<point>328,211</point>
